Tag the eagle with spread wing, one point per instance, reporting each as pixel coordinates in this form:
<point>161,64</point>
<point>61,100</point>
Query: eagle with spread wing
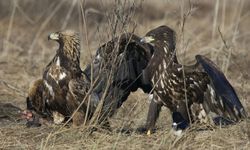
<point>198,93</point>
<point>118,66</point>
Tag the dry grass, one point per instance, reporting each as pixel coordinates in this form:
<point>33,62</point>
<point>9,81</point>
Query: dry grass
<point>24,27</point>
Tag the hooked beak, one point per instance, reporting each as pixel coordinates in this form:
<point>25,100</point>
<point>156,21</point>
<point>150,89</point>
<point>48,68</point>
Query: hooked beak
<point>147,39</point>
<point>53,36</point>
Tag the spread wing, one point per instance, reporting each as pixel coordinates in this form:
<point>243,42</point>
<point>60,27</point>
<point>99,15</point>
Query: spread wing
<point>227,101</point>
<point>123,58</point>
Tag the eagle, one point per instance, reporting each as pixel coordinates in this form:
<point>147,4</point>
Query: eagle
<point>198,93</point>
<point>63,85</point>
<point>118,66</point>
<point>116,70</point>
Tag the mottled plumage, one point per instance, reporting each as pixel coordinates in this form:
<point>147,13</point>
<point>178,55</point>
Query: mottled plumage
<point>200,93</point>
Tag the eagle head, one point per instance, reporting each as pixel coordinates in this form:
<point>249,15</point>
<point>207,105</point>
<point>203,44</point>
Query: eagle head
<point>147,39</point>
<point>61,36</point>
<point>69,43</point>
<point>162,35</point>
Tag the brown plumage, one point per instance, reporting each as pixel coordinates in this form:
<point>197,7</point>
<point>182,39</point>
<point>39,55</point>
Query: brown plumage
<point>199,93</point>
<point>119,63</point>
<point>36,93</point>
<point>54,95</point>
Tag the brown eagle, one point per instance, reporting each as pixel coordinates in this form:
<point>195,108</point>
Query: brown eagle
<point>57,95</point>
<point>117,68</point>
<point>198,93</point>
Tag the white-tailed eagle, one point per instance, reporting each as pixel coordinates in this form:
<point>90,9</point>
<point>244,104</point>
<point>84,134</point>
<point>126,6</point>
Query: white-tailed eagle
<point>198,93</point>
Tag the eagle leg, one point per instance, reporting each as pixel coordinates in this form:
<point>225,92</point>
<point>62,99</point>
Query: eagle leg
<point>153,115</point>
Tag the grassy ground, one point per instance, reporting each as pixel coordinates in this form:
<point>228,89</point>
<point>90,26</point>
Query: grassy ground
<point>218,29</point>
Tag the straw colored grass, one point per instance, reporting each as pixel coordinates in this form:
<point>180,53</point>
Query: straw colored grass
<point>217,29</point>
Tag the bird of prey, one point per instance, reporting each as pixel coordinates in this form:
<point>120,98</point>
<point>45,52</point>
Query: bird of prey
<point>117,67</point>
<point>199,93</point>
<point>64,85</point>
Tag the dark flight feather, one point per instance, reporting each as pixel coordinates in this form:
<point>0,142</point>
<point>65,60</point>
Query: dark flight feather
<point>123,59</point>
<point>222,87</point>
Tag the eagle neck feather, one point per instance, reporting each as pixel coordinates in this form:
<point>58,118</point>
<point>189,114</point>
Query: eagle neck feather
<point>71,50</point>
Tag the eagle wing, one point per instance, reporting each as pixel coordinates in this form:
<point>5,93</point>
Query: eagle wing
<point>123,58</point>
<point>227,100</point>
<point>125,55</point>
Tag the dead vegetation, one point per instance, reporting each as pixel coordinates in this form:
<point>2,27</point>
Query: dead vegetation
<point>218,29</point>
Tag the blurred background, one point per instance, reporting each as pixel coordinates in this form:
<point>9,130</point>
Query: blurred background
<point>218,29</point>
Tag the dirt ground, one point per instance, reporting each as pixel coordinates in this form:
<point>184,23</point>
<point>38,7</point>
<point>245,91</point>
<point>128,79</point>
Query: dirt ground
<point>218,29</point>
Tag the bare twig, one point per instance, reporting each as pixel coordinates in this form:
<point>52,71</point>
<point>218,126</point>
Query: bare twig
<point>6,48</point>
<point>65,23</point>
<point>222,38</point>
<point>43,25</point>
<point>185,16</point>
